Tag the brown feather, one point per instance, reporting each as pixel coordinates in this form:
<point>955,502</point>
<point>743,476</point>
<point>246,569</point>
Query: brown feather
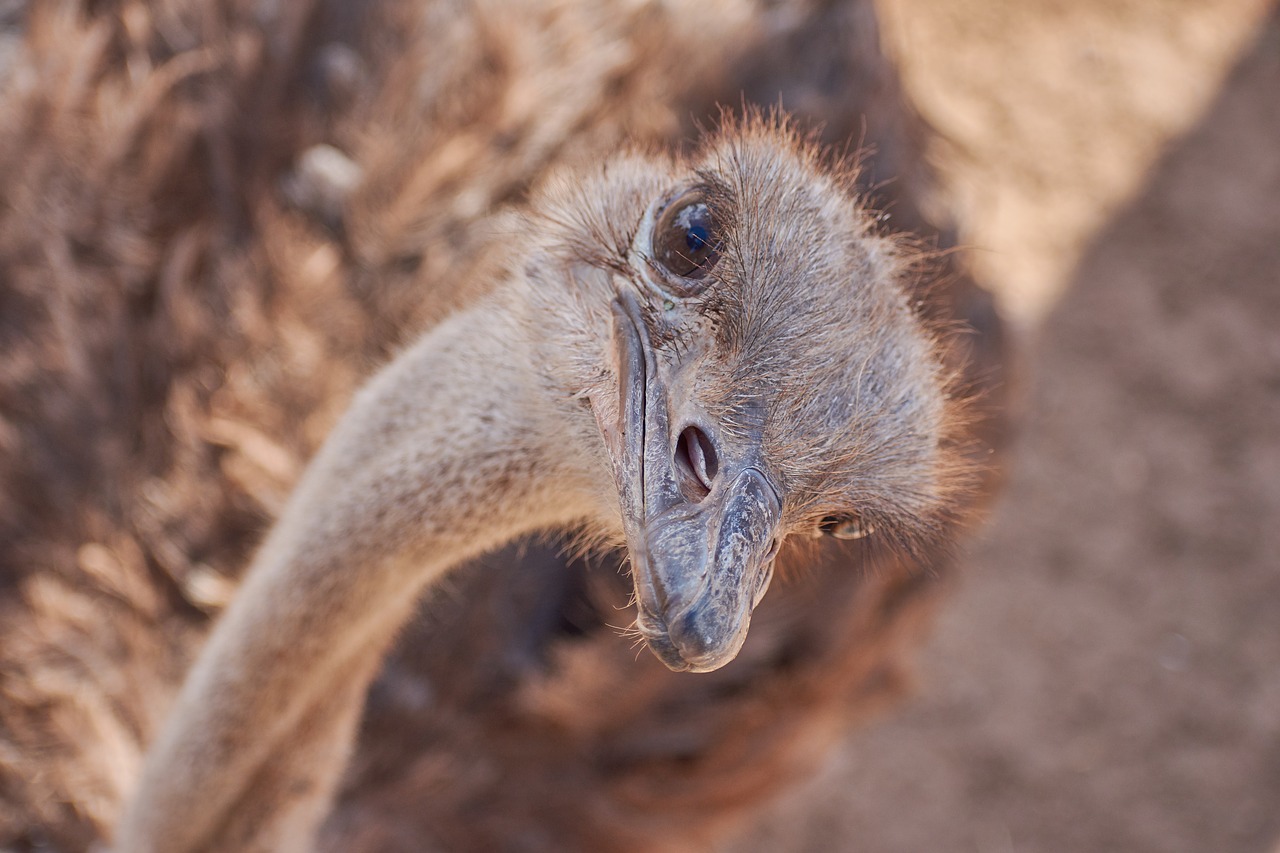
<point>179,329</point>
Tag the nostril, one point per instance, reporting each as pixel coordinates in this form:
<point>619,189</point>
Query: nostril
<point>696,461</point>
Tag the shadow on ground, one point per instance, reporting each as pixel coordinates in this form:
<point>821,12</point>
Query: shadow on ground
<point>1109,675</point>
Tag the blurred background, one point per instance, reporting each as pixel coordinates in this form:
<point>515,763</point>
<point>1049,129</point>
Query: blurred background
<point>1107,676</point>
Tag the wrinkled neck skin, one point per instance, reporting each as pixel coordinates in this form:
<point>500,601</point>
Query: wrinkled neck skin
<point>461,444</point>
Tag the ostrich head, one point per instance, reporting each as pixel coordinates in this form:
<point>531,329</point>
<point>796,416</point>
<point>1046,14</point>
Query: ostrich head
<point>744,339</point>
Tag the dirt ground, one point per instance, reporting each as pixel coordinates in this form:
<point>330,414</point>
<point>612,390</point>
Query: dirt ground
<point>1108,674</point>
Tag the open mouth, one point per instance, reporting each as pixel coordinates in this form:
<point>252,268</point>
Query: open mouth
<point>700,516</point>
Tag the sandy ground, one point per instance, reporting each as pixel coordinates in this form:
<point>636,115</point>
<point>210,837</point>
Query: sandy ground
<point>1108,675</point>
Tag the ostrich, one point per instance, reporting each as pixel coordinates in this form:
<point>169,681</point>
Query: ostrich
<point>700,358</point>
<point>511,708</point>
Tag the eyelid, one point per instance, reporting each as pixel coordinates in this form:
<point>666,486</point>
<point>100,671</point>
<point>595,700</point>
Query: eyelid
<point>845,527</point>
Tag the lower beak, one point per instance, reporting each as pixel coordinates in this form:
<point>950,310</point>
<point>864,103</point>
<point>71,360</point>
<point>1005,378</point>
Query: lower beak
<point>700,565</point>
<point>700,573</point>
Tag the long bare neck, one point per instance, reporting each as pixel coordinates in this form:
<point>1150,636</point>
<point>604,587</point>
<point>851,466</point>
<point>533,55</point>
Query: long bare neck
<point>444,455</point>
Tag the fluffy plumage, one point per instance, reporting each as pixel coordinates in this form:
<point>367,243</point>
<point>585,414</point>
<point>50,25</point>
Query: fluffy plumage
<point>164,300</point>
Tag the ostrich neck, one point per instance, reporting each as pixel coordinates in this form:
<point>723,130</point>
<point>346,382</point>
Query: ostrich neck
<point>438,459</point>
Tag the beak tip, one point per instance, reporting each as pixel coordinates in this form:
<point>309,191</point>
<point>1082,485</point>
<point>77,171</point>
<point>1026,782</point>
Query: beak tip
<point>696,643</point>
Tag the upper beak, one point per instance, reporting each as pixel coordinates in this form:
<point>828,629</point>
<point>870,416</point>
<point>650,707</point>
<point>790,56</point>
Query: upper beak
<point>700,562</point>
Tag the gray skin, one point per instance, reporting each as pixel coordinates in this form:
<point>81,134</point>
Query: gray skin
<point>789,390</point>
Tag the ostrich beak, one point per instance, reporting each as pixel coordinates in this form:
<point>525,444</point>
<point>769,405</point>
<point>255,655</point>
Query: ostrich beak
<point>701,557</point>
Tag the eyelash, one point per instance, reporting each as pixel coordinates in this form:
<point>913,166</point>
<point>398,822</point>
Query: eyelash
<point>844,527</point>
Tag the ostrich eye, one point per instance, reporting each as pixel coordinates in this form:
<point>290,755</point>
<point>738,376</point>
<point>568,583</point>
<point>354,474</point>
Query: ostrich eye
<point>685,240</point>
<point>845,527</point>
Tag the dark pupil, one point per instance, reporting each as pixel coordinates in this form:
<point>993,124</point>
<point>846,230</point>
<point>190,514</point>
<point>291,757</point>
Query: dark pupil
<point>830,524</point>
<point>686,240</point>
<point>696,237</point>
<point>843,527</point>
